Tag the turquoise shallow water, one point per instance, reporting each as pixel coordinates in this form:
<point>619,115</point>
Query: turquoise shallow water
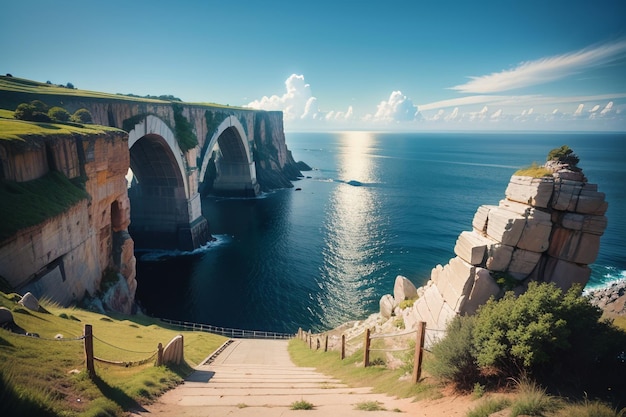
<point>376,205</point>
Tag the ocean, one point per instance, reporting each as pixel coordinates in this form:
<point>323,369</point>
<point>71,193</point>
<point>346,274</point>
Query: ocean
<point>376,205</point>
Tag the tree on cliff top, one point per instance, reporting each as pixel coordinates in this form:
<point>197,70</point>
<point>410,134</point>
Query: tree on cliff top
<point>35,111</point>
<point>82,116</point>
<point>564,155</point>
<point>59,114</point>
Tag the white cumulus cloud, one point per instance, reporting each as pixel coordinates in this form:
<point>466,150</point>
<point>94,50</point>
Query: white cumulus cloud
<point>297,103</point>
<point>545,69</point>
<point>398,108</point>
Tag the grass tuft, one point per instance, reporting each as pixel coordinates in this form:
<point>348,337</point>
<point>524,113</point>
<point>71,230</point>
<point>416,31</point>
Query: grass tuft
<point>589,409</point>
<point>302,405</point>
<point>533,400</point>
<point>369,406</point>
<point>535,171</point>
<point>489,406</point>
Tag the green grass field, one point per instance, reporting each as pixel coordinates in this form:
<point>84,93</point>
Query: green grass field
<point>29,87</point>
<point>46,376</point>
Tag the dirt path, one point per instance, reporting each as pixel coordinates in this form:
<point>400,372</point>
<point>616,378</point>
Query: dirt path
<point>257,378</point>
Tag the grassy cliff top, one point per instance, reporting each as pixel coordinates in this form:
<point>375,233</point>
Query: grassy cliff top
<point>20,130</point>
<point>26,87</point>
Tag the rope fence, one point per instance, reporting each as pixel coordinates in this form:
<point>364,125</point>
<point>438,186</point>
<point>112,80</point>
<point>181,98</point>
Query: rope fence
<point>424,340</point>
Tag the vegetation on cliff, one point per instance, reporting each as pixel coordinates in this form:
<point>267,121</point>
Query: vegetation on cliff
<point>183,129</point>
<point>543,333</point>
<point>45,375</point>
<point>25,204</point>
<point>534,170</point>
<point>28,132</point>
<point>38,111</point>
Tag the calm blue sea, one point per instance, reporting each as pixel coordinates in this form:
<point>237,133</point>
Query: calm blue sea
<point>375,206</point>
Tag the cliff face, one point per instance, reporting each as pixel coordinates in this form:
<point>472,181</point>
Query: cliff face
<point>66,256</point>
<point>546,229</point>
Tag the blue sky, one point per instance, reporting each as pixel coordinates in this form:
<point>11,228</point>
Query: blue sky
<point>409,65</point>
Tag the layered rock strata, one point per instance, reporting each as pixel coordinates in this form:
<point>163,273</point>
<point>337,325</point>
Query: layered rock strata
<point>66,256</point>
<point>546,229</point>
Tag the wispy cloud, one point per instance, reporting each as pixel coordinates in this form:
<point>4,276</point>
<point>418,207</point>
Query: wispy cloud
<point>518,100</point>
<point>545,69</point>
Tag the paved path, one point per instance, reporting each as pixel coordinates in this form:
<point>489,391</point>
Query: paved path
<point>257,378</point>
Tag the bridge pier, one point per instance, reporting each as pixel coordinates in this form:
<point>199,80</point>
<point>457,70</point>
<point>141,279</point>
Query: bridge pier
<point>163,221</point>
<point>236,179</point>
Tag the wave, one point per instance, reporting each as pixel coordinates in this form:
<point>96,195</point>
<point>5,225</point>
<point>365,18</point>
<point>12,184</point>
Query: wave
<point>157,255</point>
<point>609,275</point>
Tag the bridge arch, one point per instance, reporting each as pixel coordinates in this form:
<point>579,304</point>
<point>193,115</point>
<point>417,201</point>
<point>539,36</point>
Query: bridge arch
<point>236,170</point>
<point>165,209</point>
<point>157,130</point>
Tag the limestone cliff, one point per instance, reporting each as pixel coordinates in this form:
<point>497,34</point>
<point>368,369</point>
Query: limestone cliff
<point>66,256</point>
<point>546,229</point>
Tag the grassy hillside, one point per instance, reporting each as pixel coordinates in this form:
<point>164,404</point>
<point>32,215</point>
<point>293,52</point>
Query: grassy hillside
<point>46,376</point>
<point>22,90</point>
<point>23,131</point>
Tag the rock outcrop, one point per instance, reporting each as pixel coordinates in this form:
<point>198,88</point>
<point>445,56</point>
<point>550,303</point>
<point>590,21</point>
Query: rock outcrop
<point>65,256</point>
<point>546,229</point>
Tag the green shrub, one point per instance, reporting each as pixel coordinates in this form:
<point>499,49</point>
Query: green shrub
<point>565,155</point>
<point>521,333</point>
<point>478,391</point>
<point>59,114</point>
<point>454,359</point>
<point>82,116</point>
<point>35,111</point>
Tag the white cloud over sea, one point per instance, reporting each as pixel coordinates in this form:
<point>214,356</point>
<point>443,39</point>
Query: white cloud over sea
<point>544,70</point>
<point>302,109</point>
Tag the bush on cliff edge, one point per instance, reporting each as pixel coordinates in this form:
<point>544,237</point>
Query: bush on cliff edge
<point>543,333</point>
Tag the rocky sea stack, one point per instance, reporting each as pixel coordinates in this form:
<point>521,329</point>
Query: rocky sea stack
<point>547,229</point>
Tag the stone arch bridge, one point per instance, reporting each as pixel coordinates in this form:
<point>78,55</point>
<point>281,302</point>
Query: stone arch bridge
<point>233,151</point>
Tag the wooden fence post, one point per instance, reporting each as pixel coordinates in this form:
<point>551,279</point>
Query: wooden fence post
<point>343,346</point>
<point>326,344</point>
<point>88,334</point>
<point>419,351</point>
<point>310,340</point>
<point>366,353</point>
<point>159,354</point>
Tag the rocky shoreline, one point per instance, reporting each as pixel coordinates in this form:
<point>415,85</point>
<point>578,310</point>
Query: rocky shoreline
<point>611,299</point>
